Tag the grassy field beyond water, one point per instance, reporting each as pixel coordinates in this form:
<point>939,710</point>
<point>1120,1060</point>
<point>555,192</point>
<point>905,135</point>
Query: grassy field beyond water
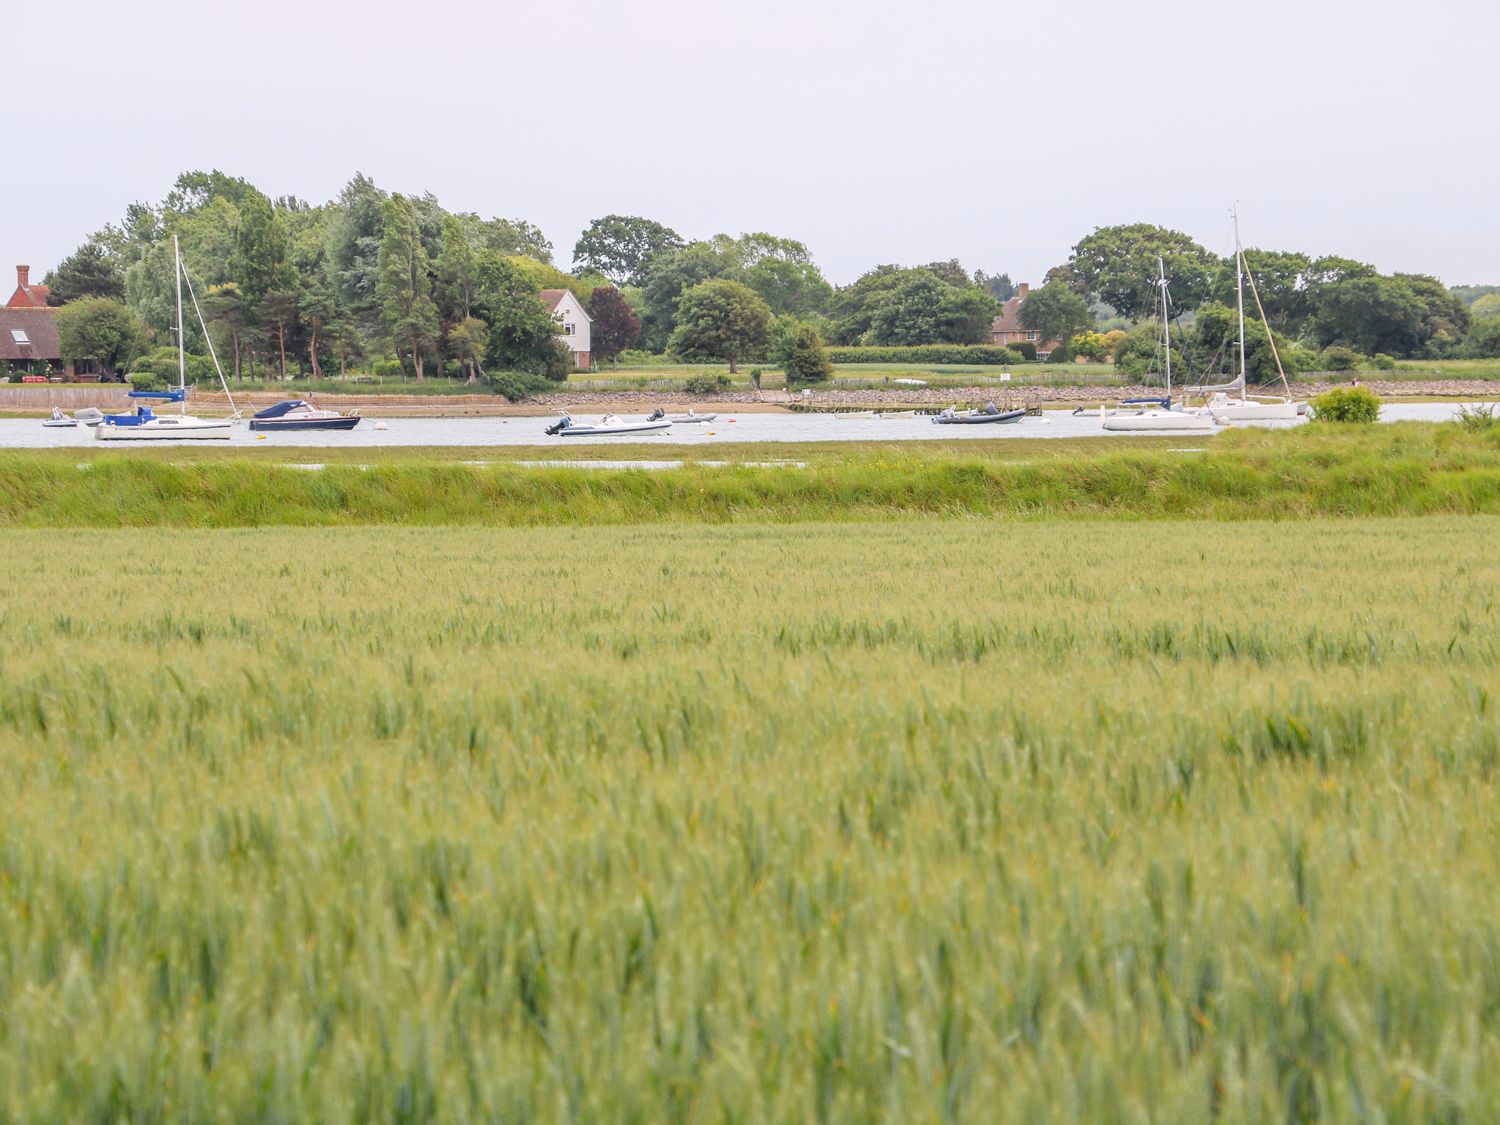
<point>922,820</point>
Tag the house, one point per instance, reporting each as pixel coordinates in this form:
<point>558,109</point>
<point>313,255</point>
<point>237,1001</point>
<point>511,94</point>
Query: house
<point>28,341</point>
<point>573,323</point>
<point>1008,329</point>
<point>27,295</point>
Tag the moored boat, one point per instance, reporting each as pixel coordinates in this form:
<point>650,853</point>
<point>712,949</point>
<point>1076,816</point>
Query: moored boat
<point>609,425</point>
<point>299,414</point>
<point>989,415</point>
<point>691,416</point>
<point>59,419</point>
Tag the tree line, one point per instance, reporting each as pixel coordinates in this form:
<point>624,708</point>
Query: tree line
<point>396,284</point>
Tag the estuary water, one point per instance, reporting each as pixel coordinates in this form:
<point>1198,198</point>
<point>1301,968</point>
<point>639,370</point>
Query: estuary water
<point>29,433</point>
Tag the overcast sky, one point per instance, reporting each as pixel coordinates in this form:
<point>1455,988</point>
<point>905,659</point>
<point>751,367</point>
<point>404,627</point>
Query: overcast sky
<point>991,131</point>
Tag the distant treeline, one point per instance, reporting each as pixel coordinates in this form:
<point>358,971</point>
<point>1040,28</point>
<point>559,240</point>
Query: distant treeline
<point>375,279</point>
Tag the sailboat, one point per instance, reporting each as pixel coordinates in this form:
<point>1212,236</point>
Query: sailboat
<point>1222,403</point>
<point>146,425</point>
<point>1156,415</point>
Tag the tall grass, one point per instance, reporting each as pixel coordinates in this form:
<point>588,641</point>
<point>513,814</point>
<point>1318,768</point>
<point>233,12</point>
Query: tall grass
<point>936,820</point>
<point>1387,470</point>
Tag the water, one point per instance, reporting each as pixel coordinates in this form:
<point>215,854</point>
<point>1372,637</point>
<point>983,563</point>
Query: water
<point>29,433</point>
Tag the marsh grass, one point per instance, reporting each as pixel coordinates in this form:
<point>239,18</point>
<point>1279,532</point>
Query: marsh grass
<point>1385,470</point>
<point>926,820</point>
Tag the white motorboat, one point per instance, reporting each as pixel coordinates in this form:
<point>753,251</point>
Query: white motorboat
<point>609,425</point>
<point>886,414</point>
<point>1157,415</point>
<point>89,415</point>
<point>845,415</point>
<point>691,416</point>
<point>144,424</point>
<point>59,419</point>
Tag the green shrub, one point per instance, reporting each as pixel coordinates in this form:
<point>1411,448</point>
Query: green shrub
<point>1479,418</point>
<point>636,357</point>
<point>387,367</point>
<point>1346,404</point>
<point>1023,348</point>
<point>803,356</point>
<point>1060,354</point>
<point>1339,358</point>
<point>973,354</point>
<point>163,363</point>
<point>147,381</point>
<point>706,384</point>
<point>518,385</point>
<point>1383,362</point>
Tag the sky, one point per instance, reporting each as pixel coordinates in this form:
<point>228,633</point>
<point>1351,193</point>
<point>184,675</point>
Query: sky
<point>995,132</point>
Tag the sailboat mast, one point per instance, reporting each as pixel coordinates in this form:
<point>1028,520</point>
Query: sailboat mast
<point>1239,293</point>
<point>181,346</point>
<point>1166,331</point>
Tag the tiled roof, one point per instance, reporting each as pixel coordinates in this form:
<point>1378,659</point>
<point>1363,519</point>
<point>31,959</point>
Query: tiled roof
<point>552,297</point>
<point>1009,319</point>
<point>29,297</point>
<point>38,326</point>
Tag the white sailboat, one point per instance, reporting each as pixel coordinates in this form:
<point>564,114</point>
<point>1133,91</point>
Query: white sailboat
<point>144,424</point>
<point>1156,415</point>
<point>1222,402</point>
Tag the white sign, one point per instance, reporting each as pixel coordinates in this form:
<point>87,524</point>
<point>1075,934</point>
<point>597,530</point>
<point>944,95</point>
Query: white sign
<point>1005,376</point>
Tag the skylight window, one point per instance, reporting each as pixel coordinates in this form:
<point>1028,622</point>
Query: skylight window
<point>19,336</point>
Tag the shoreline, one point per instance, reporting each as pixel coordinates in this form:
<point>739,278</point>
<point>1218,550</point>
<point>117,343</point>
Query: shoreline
<point>37,401</point>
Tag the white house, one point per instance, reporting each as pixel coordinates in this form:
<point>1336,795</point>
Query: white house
<point>573,323</point>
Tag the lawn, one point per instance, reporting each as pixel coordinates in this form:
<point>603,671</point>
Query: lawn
<point>917,819</point>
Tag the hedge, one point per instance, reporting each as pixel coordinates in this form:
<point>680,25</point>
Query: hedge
<point>983,354</point>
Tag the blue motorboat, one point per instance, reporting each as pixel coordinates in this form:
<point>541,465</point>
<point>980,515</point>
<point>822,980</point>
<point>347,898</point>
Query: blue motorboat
<point>299,414</point>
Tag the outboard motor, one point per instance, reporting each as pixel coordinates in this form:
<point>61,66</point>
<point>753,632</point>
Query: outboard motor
<point>657,414</point>
<point>561,424</point>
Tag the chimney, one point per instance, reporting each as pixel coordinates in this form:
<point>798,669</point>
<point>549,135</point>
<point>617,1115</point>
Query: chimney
<point>1022,290</point>
<point>23,276</point>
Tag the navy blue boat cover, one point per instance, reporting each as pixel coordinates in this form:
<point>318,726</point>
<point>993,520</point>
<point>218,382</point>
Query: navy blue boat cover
<point>280,408</point>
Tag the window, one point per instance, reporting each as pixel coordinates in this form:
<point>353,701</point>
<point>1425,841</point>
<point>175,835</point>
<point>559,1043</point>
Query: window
<point>19,336</point>
<point>1031,335</point>
<point>567,328</point>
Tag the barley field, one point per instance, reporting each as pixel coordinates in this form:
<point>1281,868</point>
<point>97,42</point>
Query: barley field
<point>943,819</point>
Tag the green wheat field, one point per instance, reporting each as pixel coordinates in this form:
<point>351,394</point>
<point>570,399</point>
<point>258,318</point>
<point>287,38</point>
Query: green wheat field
<point>923,820</point>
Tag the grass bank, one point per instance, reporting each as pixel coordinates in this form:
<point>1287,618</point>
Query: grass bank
<point>934,820</point>
<point>1408,469</point>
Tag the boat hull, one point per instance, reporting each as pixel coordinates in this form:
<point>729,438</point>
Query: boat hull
<point>1256,412</point>
<point>60,423</point>
<point>682,418</point>
<point>981,419</point>
<point>612,431</point>
<point>1163,421</point>
<point>343,422</point>
<point>200,429</point>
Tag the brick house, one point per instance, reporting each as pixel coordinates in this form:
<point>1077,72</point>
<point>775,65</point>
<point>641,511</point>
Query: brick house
<point>572,323</point>
<point>1008,329</point>
<point>27,295</point>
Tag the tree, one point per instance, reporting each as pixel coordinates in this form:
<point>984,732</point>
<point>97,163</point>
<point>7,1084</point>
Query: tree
<point>407,309</point>
<point>788,286</point>
<point>522,336</point>
<point>1486,307</point>
<point>967,316</point>
<point>913,313</point>
<point>98,330</point>
<point>799,349</point>
<point>852,309</point>
<point>1054,312</point>
<point>468,341</point>
<point>90,271</point>
<point>1283,281</point>
<point>354,249</point>
<point>623,247</point>
<point>264,271</point>
<point>1370,313</point>
<point>721,320</point>
<point>455,272</point>
<point>1445,317</point>
<point>672,273</point>
<point>1092,346</point>
<point>1117,265</point>
<point>614,327</point>
<point>998,285</point>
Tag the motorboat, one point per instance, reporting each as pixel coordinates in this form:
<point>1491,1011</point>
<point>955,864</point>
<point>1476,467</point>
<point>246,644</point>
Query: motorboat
<point>144,424</point>
<point>59,419</point>
<point>89,415</point>
<point>845,415</point>
<point>299,414</point>
<point>609,425</point>
<point>990,414</point>
<point>885,415</point>
<point>691,416</point>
